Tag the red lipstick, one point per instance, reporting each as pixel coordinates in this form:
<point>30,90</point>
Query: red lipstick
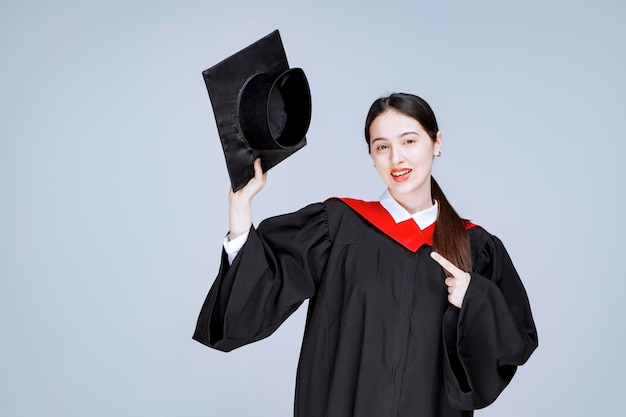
<point>401,174</point>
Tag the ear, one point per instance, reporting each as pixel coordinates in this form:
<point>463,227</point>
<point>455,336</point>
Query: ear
<point>437,147</point>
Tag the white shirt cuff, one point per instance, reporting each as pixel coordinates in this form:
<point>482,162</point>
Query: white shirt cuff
<point>232,247</point>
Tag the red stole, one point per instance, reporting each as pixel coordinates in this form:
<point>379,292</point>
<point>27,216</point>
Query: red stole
<point>407,233</point>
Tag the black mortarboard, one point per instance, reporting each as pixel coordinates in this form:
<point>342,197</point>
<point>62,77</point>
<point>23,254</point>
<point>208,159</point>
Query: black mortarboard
<point>261,106</point>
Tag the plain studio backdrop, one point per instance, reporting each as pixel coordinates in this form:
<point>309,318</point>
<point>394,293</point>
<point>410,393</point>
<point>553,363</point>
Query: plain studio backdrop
<point>113,186</point>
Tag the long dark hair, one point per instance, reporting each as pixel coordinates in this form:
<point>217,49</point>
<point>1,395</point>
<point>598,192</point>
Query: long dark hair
<point>450,238</point>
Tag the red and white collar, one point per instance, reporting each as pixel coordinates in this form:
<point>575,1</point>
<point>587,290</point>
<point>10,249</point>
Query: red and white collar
<point>422,218</point>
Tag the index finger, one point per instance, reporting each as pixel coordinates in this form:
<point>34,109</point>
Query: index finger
<point>445,264</point>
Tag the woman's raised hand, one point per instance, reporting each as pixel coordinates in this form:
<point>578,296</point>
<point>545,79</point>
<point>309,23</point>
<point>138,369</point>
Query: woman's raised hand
<point>457,283</point>
<point>240,202</point>
<point>253,186</point>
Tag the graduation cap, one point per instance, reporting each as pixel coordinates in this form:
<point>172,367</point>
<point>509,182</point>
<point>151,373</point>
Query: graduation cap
<point>261,106</point>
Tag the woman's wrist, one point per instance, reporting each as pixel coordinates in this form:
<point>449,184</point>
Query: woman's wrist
<point>240,215</point>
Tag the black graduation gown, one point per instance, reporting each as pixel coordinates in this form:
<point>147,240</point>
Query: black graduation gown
<point>381,338</point>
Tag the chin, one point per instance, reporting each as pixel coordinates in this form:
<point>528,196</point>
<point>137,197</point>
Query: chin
<point>407,189</point>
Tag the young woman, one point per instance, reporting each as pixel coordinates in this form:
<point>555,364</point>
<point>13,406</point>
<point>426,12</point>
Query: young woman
<point>413,311</point>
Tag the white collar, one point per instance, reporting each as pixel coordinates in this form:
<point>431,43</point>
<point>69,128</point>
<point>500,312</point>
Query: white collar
<point>423,218</point>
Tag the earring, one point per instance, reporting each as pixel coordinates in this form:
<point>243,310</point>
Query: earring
<point>439,153</point>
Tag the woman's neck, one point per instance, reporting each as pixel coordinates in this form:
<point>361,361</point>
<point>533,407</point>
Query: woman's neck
<point>415,202</point>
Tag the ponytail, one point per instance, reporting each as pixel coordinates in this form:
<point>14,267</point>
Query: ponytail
<point>450,239</point>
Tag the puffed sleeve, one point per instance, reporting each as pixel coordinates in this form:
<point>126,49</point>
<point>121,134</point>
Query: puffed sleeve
<point>490,335</point>
<point>279,267</point>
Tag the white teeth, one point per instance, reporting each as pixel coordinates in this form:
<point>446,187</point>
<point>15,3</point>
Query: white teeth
<point>400,173</point>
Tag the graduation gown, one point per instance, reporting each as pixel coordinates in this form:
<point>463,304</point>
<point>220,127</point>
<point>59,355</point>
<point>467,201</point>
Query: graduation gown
<point>381,338</point>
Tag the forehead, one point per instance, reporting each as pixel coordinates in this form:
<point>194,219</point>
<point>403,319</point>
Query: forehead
<point>392,123</point>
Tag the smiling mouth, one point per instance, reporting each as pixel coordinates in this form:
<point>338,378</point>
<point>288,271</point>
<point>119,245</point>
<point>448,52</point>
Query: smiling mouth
<point>401,173</point>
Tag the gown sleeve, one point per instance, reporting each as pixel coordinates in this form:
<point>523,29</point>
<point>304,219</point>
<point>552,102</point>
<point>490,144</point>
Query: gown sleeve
<point>490,335</point>
<point>278,267</point>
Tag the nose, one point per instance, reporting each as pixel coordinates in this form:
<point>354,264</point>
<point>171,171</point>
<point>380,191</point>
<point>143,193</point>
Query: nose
<point>396,154</point>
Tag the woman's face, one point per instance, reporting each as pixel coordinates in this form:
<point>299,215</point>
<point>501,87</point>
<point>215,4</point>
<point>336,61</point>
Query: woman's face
<point>403,156</point>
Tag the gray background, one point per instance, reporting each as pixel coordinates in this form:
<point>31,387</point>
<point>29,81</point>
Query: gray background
<point>113,186</point>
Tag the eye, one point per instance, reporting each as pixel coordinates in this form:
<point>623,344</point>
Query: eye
<point>410,141</point>
<point>382,147</point>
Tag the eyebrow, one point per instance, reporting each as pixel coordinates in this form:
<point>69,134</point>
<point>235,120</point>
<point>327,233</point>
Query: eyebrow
<point>402,135</point>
